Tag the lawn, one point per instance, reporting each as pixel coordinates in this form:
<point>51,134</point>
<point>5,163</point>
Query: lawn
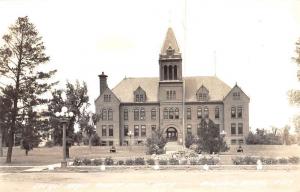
<point>44,155</point>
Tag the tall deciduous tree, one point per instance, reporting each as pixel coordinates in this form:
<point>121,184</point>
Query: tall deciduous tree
<point>76,101</point>
<point>87,125</point>
<point>209,138</point>
<point>20,57</point>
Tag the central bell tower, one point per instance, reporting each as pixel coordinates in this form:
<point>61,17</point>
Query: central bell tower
<point>170,61</point>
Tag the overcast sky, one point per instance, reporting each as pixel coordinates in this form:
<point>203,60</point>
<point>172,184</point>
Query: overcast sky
<point>254,41</point>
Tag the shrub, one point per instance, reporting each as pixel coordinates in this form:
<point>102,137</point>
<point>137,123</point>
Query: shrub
<point>212,161</point>
<point>182,161</point>
<point>294,160</point>
<point>95,140</point>
<point>237,160</point>
<point>163,162</point>
<point>150,161</point>
<point>129,162</point>
<point>86,161</point>
<point>98,162</point>
<point>283,161</point>
<point>139,161</point>
<point>120,162</point>
<point>49,144</point>
<point>202,161</point>
<point>248,160</point>
<point>194,162</point>
<point>109,161</point>
<point>269,161</point>
<point>156,143</point>
<point>173,161</point>
<point>77,162</point>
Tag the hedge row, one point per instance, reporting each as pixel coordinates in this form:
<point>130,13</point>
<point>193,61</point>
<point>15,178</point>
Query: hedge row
<point>250,160</point>
<point>142,161</point>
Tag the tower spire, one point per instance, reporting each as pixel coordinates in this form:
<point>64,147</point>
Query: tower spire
<point>170,43</point>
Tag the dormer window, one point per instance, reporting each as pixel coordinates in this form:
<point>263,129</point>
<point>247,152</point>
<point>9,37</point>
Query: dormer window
<point>202,94</point>
<point>139,95</point>
<point>236,95</point>
<point>107,98</point>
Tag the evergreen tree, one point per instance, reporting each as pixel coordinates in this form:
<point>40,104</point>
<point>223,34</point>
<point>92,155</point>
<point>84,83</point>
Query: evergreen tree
<point>20,57</point>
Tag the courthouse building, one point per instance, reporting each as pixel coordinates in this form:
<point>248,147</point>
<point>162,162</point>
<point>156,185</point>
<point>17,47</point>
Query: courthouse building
<point>175,104</point>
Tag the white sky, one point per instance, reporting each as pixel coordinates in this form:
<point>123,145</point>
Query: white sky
<point>254,41</point>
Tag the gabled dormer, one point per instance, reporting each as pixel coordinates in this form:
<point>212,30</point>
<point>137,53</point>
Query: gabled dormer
<point>237,94</point>
<point>202,94</point>
<point>139,95</point>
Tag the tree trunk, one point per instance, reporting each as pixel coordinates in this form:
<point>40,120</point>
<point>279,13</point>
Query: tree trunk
<point>67,151</point>
<point>26,152</point>
<point>90,142</point>
<point>10,146</point>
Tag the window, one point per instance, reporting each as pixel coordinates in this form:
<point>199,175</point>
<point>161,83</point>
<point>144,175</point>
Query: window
<point>136,131</point>
<point>239,112</point>
<point>166,113</point>
<point>143,130</point>
<point>198,129</point>
<point>241,141</point>
<point>107,98</point>
<point>142,114</point>
<point>206,113</point>
<point>217,113</point>
<point>189,113</point>
<point>104,130</point>
<point>137,98</point>
<point>199,113</point>
<point>236,95</point>
<point>110,130</point>
<point>176,113</point>
<point>175,72</point>
<point>233,112</point>
<point>171,94</point>
<point>110,114</point>
<point>165,72</point>
<point>240,128</point>
<point>103,143</point>
<point>125,130</point>
<point>233,128</point>
<point>202,96</point>
<point>125,114</point>
<point>233,141</point>
<point>104,114</point>
<point>202,93</point>
<point>153,127</point>
<point>189,129</point>
<point>110,143</point>
<point>171,113</point>
<point>136,114</point>
<point>153,114</point>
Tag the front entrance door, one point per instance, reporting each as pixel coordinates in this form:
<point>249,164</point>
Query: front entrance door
<point>171,134</point>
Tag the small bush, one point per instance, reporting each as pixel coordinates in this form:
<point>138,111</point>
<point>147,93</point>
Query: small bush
<point>120,162</point>
<point>129,162</point>
<point>283,161</point>
<point>194,162</point>
<point>86,161</point>
<point>139,161</point>
<point>150,161</point>
<point>203,161</point>
<point>49,144</point>
<point>98,162</point>
<point>294,160</point>
<point>163,162</point>
<point>173,161</point>
<point>109,161</point>
<point>183,162</point>
<point>269,161</point>
<point>212,161</point>
<point>77,162</point>
<point>248,160</point>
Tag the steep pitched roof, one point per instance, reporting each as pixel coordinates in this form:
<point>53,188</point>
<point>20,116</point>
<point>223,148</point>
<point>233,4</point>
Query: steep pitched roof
<point>217,88</point>
<point>170,42</point>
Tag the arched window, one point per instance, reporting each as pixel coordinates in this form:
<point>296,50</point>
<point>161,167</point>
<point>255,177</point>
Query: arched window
<point>199,113</point>
<point>217,113</point>
<point>142,113</point>
<point>125,114</point>
<point>175,72</point>
<point>104,114</point>
<point>110,114</point>
<point>170,73</point>
<point>171,113</point>
<point>233,112</point>
<point>165,72</point>
<point>206,112</point>
<point>189,113</point>
<point>153,114</point>
<point>166,113</point>
<point>176,113</point>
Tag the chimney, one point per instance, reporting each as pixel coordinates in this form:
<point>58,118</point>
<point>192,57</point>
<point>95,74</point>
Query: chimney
<point>103,82</point>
